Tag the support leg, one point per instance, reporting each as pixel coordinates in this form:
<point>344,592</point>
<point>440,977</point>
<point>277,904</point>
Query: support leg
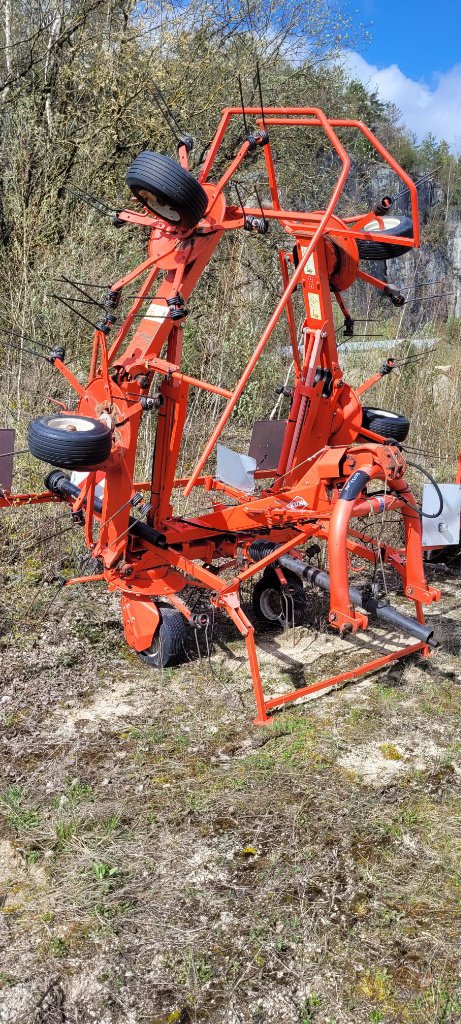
<point>231,603</point>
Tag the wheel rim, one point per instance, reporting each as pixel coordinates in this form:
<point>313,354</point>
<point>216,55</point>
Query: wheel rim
<point>390,223</point>
<point>72,423</point>
<point>153,650</point>
<point>158,205</point>
<point>270,603</point>
<point>383,414</point>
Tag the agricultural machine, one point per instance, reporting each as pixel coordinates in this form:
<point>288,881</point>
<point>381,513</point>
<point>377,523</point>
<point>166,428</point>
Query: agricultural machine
<point>309,478</point>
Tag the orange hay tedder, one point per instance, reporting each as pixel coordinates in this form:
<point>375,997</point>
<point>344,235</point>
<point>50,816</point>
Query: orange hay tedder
<point>312,476</point>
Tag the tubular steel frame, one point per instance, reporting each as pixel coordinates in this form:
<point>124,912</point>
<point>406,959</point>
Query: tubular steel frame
<point>325,456</point>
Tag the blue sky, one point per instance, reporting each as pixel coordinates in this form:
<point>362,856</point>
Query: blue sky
<point>414,60</point>
<point>421,37</point>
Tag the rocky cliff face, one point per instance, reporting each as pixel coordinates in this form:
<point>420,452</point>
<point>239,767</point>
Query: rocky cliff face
<point>436,267</point>
<point>453,256</point>
<point>429,276</point>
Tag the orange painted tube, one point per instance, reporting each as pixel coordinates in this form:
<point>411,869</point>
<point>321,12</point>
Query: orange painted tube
<point>343,677</point>
<point>279,308</point>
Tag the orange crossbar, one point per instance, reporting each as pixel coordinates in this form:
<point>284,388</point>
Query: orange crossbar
<point>343,677</point>
<point>345,162</point>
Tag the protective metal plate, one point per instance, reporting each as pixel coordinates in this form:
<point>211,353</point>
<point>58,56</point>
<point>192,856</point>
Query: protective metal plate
<point>7,438</point>
<point>266,442</point>
<point>446,527</point>
<point>235,469</point>
<point>78,479</point>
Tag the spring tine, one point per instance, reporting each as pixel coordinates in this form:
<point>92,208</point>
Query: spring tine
<point>84,284</point>
<point>20,334</point>
<point>258,78</point>
<point>168,109</point>
<point>22,348</point>
<point>88,298</point>
<point>18,451</point>
<point>86,197</point>
<point>426,298</point>
<point>239,199</point>
<point>243,105</point>
<point>293,619</point>
<point>74,310</point>
<point>198,645</point>
<point>167,114</point>
<point>417,183</point>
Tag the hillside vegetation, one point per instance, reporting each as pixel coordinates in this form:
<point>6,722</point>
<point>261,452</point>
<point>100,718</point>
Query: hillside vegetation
<point>79,99</point>
<point>162,861</point>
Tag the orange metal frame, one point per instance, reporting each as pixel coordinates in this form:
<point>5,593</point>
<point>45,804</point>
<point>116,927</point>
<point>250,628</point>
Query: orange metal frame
<point>324,446</point>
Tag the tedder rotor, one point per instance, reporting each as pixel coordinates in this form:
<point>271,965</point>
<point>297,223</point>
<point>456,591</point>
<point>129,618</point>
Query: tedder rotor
<point>309,477</point>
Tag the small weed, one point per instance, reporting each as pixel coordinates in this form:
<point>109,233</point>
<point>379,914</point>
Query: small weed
<point>409,818</point>
<point>451,1005</point>
<point>307,1012</point>
<point>262,760</point>
<point>440,1006</point>
<point>69,659</point>
<point>357,714</point>
<point>102,871</point>
<point>152,819</point>
<point>13,797</point>
<point>19,818</point>
<point>149,736</point>
<point>15,718</point>
<point>76,790</point>
<point>390,752</point>
<point>390,694</point>
<point>103,912</point>
<point>57,947</point>
<point>195,972</point>
<point>388,829</point>
<point>375,985</point>
<point>204,970</point>
<point>25,820</point>
<point>107,913</point>
<point>109,825</point>
<point>7,980</point>
<point>34,855</point>
<point>65,830</point>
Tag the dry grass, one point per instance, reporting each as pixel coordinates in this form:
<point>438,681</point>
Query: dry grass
<point>163,860</point>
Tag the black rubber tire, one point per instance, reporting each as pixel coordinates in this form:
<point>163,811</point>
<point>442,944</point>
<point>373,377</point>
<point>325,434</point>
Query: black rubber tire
<point>374,250</point>
<point>168,644</point>
<point>443,555</point>
<point>83,445</point>
<point>392,425</point>
<point>183,196</point>
<point>267,597</point>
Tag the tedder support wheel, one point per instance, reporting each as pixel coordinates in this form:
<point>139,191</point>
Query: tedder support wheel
<point>70,441</point>
<point>167,189</point>
<point>393,225</point>
<point>389,424</point>
<point>272,607</point>
<point>169,641</point>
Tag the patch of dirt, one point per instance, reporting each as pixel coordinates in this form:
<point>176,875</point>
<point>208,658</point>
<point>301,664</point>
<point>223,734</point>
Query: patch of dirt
<point>380,762</point>
<point>164,861</point>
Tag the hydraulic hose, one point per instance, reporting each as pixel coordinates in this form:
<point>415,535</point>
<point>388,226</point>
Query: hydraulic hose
<point>425,472</point>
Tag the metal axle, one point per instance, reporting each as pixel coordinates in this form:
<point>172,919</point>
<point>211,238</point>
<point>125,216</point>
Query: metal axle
<point>384,612</point>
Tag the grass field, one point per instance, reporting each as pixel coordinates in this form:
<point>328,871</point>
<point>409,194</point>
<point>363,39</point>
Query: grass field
<point>164,860</point>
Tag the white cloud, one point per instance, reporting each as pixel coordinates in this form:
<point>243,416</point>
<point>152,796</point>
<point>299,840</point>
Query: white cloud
<point>424,109</point>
